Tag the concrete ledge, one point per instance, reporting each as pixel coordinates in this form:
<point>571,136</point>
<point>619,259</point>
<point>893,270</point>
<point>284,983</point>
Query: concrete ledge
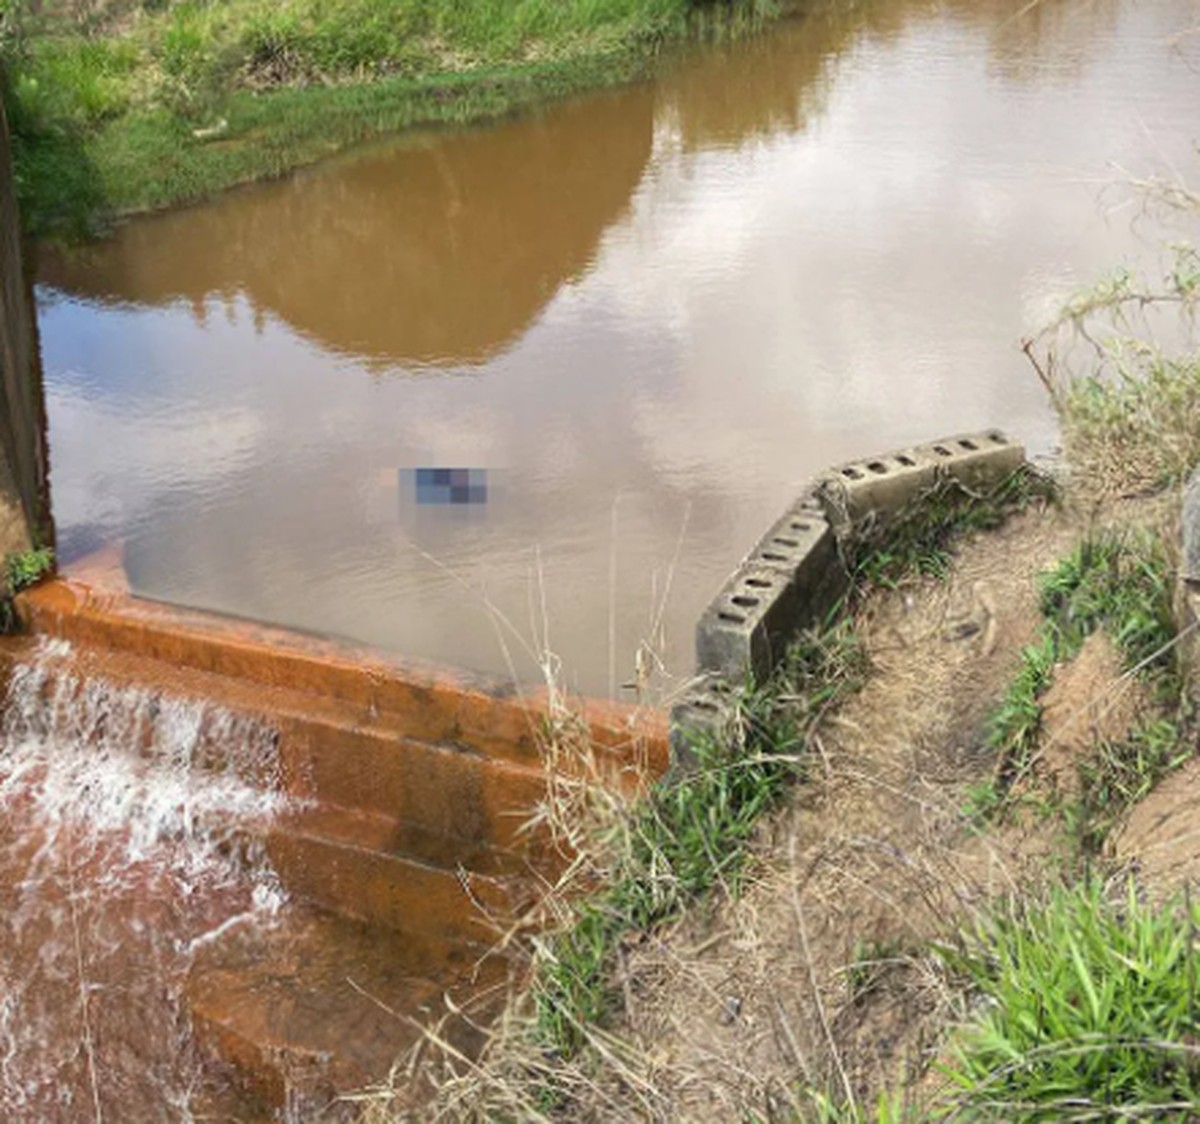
<point>789,580</point>
<point>795,576</point>
<point>442,706</point>
<point>878,488</point>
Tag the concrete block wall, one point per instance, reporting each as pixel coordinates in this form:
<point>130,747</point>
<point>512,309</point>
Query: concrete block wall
<point>705,709</point>
<point>879,488</point>
<point>787,582</point>
<point>795,576</point>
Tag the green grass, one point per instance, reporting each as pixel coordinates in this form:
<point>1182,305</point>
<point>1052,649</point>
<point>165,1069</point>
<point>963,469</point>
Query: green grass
<point>1121,773</point>
<point>693,834</point>
<point>133,106</point>
<point>1088,1011</point>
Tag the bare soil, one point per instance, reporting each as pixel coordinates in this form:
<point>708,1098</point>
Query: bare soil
<point>1161,838</point>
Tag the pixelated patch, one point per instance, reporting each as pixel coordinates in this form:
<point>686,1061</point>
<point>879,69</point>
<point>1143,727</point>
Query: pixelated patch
<point>450,486</point>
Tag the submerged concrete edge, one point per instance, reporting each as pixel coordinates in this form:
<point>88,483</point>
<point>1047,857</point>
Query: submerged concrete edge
<point>795,575</point>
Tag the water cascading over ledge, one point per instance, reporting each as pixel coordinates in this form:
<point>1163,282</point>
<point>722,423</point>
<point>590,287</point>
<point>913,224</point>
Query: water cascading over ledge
<point>360,817</point>
<point>126,820</point>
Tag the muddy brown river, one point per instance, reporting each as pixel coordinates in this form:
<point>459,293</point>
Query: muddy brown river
<point>649,314</point>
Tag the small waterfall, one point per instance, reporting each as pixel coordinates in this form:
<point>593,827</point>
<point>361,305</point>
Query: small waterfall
<point>128,828</point>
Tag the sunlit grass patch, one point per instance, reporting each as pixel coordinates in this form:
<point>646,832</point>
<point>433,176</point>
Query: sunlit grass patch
<point>114,107</point>
<point>1087,1011</point>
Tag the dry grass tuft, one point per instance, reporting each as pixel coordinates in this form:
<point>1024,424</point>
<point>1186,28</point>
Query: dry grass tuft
<point>1135,429</point>
<point>1121,367</point>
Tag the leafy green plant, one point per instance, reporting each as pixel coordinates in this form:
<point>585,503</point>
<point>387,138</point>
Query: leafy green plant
<point>1088,1011</point>
<point>23,569</point>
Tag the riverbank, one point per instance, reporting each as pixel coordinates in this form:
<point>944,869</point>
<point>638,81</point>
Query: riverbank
<point>122,107</point>
<point>942,865</point>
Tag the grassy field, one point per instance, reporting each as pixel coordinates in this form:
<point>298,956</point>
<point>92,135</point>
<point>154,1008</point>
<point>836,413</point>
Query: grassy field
<point>118,106</point>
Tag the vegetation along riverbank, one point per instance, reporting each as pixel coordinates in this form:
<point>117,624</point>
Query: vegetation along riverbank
<point>120,106</point>
<point>942,864</point>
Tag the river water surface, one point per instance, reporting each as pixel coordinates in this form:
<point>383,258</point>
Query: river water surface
<point>650,314</point>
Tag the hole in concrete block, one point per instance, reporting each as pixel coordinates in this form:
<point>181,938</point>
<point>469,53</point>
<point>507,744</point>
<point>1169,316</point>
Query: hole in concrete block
<point>907,461</point>
<point>851,474</point>
<point>878,467</point>
<point>942,451</point>
<point>998,438</point>
<point>744,602</point>
<point>732,618</point>
<point>786,542</point>
<point>801,526</point>
<point>770,556</point>
<point>703,704</point>
<point>968,444</point>
<point>759,583</point>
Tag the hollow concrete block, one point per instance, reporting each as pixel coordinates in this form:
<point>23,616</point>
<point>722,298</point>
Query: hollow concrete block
<point>880,487</point>
<point>705,710</point>
<point>791,579</point>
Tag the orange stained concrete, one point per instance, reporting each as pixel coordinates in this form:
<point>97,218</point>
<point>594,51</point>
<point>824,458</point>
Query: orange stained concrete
<point>282,1007</point>
<point>453,709</point>
<point>413,789</point>
<point>411,779</point>
<point>391,892</point>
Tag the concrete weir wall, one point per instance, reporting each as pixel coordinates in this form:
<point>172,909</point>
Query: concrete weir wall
<point>22,447</point>
<point>795,575</point>
<point>412,780</point>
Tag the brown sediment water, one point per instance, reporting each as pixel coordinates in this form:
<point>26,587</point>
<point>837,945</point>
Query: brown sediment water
<point>651,314</point>
<point>240,867</point>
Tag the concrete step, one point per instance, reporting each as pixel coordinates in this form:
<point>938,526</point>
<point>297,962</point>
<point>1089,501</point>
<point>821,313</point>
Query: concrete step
<point>395,891</point>
<point>439,804</point>
<point>434,705</point>
<point>316,1005</point>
